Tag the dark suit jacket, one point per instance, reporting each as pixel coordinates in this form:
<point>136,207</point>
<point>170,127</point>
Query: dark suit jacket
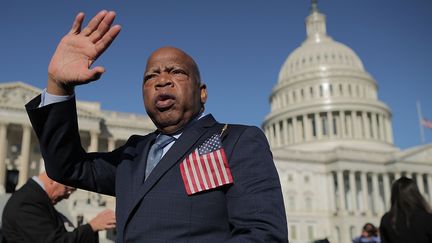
<point>29,216</point>
<point>419,231</point>
<point>159,210</point>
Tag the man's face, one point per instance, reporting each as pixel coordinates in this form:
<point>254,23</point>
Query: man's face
<point>172,92</point>
<point>60,192</point>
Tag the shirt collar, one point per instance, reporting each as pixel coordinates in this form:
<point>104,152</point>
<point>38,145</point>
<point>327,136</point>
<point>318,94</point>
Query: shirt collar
<point>38,181</point>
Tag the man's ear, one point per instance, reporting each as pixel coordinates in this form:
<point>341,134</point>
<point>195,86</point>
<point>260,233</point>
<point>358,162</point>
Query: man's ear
<point>203,90</point>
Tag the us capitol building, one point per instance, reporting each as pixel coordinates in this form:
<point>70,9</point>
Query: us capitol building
<point>330,135</point>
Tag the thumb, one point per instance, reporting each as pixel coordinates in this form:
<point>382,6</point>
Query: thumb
<point>95,73</point>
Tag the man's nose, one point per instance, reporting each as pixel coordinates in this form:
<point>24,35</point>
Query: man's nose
<point>163,81</point>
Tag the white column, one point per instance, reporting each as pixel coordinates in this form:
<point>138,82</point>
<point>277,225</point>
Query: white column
<point>409,174</point>
<point>295,132</point>
<point>3,153</point>
<point>341,190</point>
<point>111,144</point>
<point>306,128</point>
<point>375,193</point>
<point>343,125</point>
<point>284,131</point>
<point>381,127</point>
<point>277,132</point>
<point>429,183</point>
<point>330,124</point>
<point>363,179</point>
<point>24,156</point>
<point>332,193</point>
<point>389,130</point>
<point>397,175</point>
<point>271,135</point>
<point>266,132</point>
<point>420,184</point>
<point>355,125</point>
<point>351,125</point>
<point>366,126</point>
<point>318,124</point>
<point>387,187</point>
<point>374,126</point>
<point>353,189</point>
<point>93,142</point>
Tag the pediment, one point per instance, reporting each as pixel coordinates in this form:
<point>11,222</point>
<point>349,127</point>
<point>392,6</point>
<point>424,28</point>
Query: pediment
<point>16,94</point>
<point>419,154</point>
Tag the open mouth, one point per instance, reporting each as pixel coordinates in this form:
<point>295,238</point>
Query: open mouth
<point>164,101</point>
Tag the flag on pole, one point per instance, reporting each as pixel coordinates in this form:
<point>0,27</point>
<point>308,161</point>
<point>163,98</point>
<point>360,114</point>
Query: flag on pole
<point>206,167</point>
<point>426,123</point>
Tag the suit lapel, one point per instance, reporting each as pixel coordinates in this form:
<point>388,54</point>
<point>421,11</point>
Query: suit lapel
<point>183,145</point>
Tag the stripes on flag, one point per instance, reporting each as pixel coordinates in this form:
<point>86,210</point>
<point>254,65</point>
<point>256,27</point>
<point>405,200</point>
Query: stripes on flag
<point>426,123</point>
<point>206,167</point>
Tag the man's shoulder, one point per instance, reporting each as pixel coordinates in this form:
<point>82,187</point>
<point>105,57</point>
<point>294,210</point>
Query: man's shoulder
<point>243,129</point>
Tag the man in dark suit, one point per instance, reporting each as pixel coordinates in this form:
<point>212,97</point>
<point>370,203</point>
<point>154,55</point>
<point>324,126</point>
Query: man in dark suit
<point>214,182</point>
<point>30,216</point>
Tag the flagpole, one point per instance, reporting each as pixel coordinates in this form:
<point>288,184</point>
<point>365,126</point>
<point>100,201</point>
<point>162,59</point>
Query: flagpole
<point>420,117</point>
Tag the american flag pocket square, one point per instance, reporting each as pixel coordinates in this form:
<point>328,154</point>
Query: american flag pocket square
<point>206,167</point>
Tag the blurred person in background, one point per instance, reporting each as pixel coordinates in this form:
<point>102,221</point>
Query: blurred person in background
<point>409,219</point>
<point>30,216</point>
<point>369,235</point>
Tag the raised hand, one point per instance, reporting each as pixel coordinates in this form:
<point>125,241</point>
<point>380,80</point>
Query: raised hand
<point>71,63</point>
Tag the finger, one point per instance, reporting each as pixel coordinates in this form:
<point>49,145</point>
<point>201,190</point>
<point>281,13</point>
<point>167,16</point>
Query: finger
<point>94,23</point>
<point>103,27</point>
<point>76,26</point>
<point>107,39</point>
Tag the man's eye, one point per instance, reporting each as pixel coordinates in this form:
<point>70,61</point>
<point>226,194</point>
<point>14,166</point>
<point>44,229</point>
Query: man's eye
<point>148,77</point>
<point>178,71</point>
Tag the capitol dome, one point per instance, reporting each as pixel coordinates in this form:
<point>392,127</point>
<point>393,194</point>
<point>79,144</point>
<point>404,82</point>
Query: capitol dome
<point>324,97</point>
<point>319,55</point>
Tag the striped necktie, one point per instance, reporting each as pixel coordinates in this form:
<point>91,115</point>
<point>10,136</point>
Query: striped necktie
<point>156,151</point>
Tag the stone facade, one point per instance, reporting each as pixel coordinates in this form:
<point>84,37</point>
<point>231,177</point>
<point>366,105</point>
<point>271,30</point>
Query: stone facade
<point>332,141</point>
<point>100,130</point>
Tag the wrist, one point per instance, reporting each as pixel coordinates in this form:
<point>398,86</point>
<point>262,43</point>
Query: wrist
<point>55,87</point>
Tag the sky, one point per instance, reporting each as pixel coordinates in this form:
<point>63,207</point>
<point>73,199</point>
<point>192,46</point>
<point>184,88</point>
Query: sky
<point>239,46</point>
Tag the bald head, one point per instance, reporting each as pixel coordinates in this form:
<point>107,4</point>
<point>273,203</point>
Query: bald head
<point>170,51</point>
<point>55,191</point>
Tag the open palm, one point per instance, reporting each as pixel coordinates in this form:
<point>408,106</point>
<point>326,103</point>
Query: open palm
<point>76,52</point>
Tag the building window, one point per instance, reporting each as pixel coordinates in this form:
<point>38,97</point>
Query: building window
<point>291,203</point>
<point>310,232</point>
<point>308,203</point>
<point>293,232</point>
<point>290,178</point>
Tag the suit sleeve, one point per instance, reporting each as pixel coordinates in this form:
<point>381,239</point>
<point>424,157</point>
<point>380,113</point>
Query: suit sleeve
<point>66,161</point>
<point>34,225</point>
<point>255,204</point>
